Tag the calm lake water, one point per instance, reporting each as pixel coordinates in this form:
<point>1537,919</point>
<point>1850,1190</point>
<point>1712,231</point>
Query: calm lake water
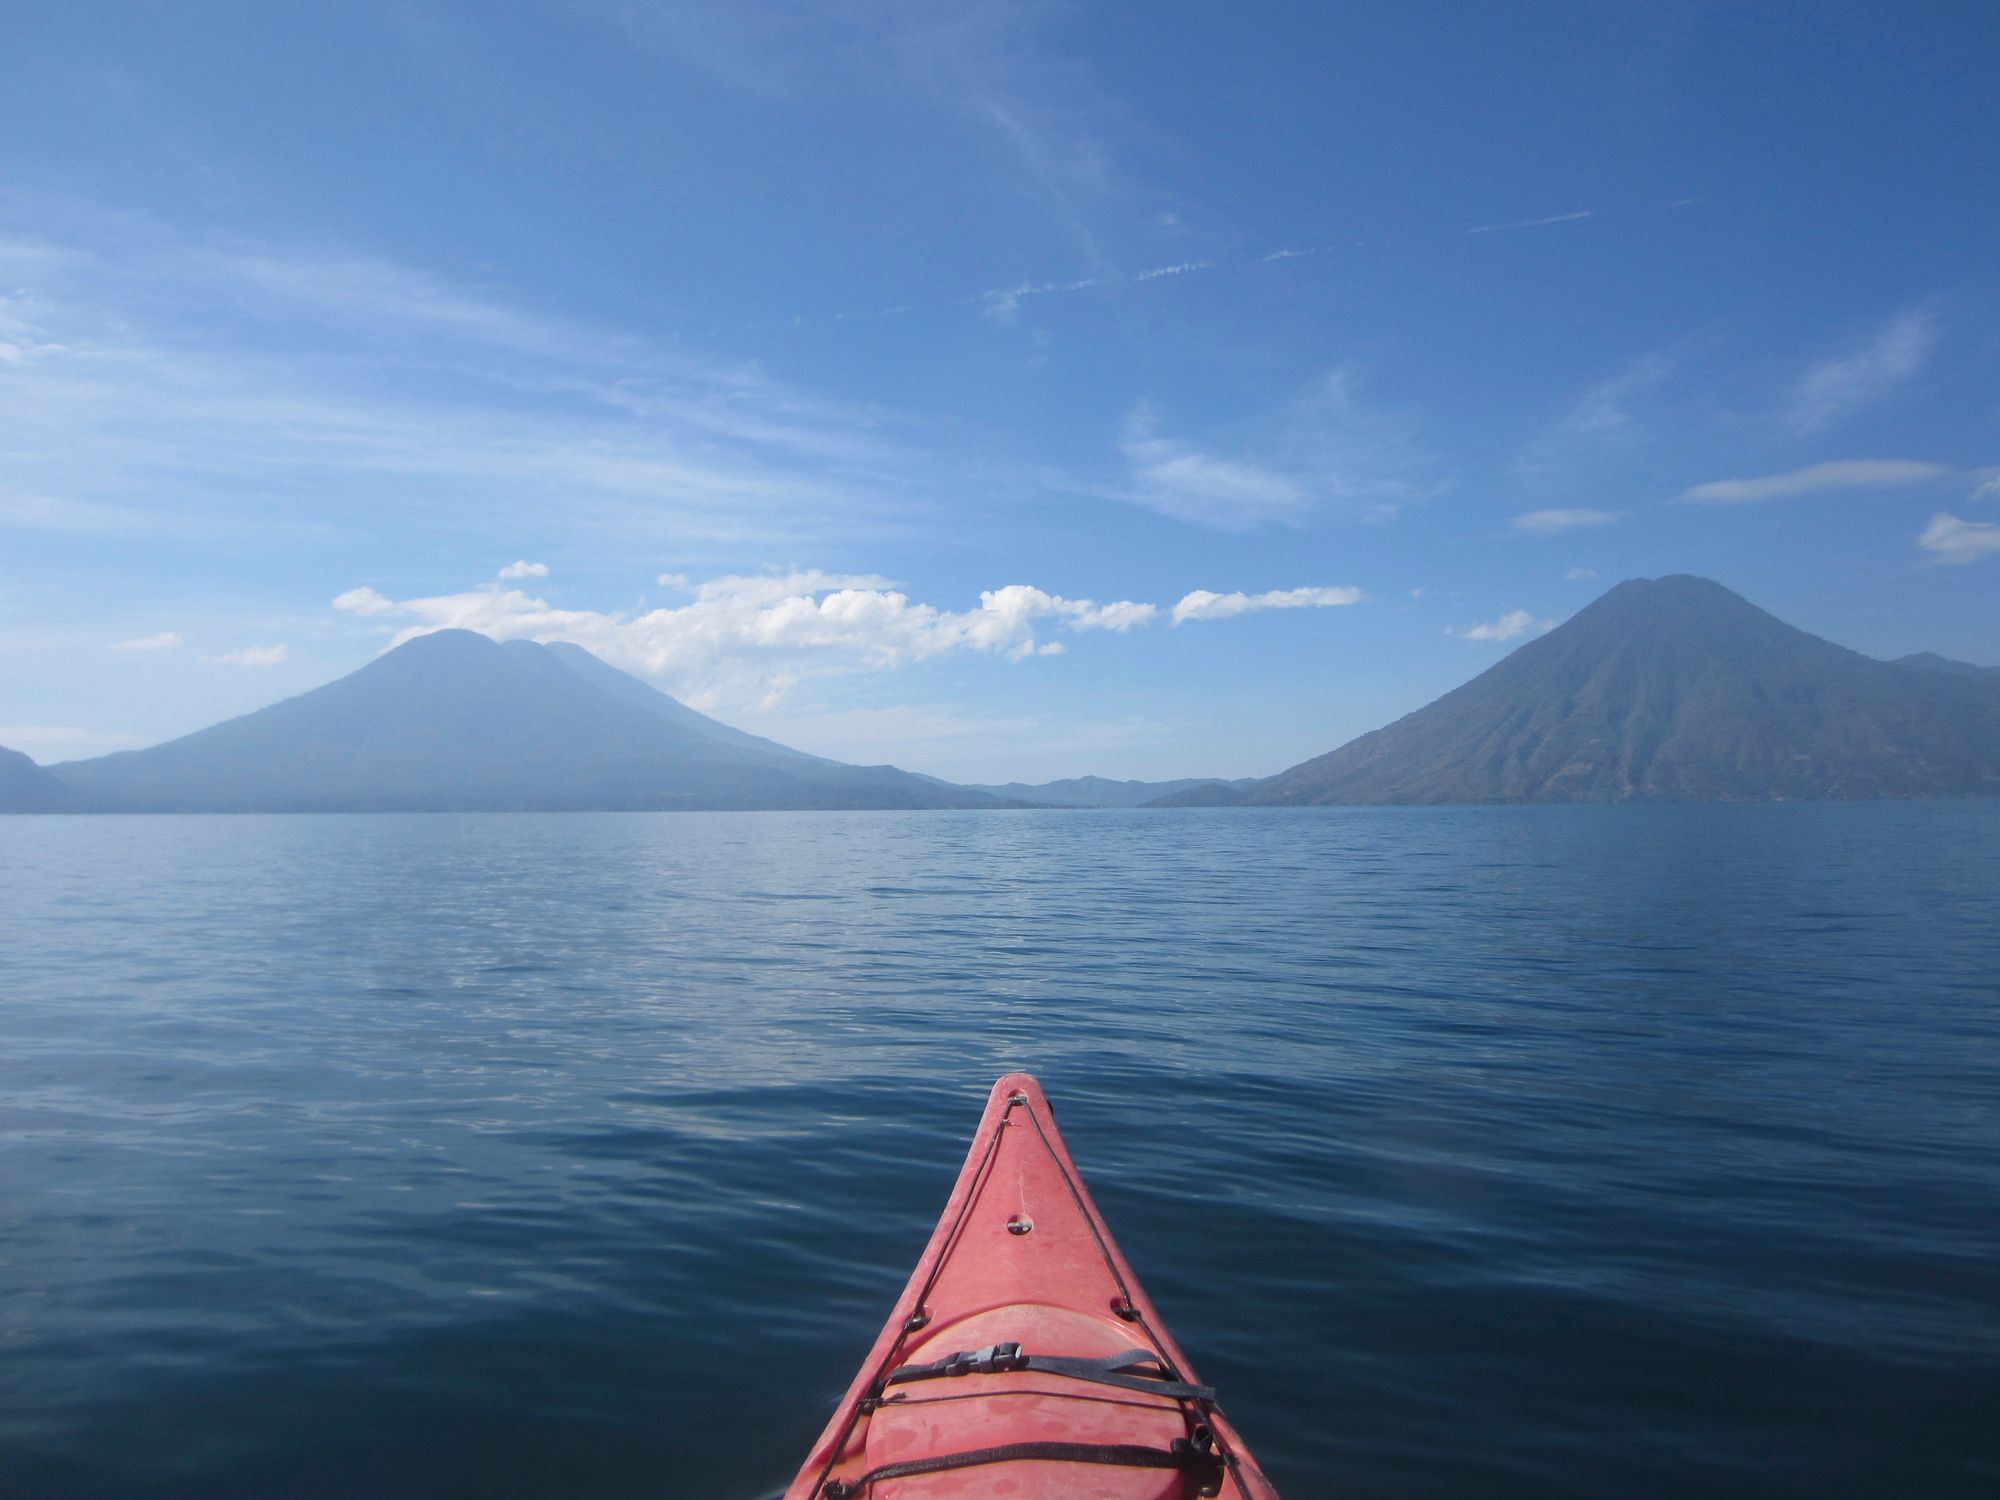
<point>1557,1152</point>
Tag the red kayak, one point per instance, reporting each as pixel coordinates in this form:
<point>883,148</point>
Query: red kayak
<point>1023,1359</point>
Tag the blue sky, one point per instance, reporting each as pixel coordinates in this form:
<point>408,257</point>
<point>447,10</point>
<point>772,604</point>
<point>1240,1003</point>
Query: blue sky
<point>999,390</point>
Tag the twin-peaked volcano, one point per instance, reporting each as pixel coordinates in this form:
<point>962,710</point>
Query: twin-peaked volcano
<point>457,722</point>
<point>1674,689</point>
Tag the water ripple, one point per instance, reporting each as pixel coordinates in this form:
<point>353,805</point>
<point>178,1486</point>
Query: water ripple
<point>1573,1152</point>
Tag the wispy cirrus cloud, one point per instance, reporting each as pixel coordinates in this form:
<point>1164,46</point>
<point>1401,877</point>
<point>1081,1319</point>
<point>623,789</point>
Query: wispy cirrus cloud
<point>166,640</point>
<point>341,289</point>
<point>1180,269</point>
<point>1950,540</point>
<point>1568,218</point>
<point>524,569</point>
<point>1555,522</point>
<point>71,515</point>
<point>987,78</point>
<point>1003,304</point>
<point>1835,388</point>
<point>1178,479</point>
<point>124,413</point>
<point>1604,423</point>
<point>1325,453</point>
<point>1842,474</point>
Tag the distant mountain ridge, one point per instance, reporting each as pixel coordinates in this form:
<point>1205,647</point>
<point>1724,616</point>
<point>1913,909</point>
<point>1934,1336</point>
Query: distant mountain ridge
<point>1930,661</point>
<point>454,721</point>
<point>1662,689</point>
<point>1673,689</point>
<point>1099,791</point>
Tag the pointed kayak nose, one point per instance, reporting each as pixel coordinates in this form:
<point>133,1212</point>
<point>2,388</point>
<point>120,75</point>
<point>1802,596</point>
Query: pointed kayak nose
<point>1023,1357</point>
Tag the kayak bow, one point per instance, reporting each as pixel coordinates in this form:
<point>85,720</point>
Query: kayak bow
<point>1023,1359</point>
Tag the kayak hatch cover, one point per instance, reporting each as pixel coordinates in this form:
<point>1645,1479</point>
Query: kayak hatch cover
<point>1023,1359</point>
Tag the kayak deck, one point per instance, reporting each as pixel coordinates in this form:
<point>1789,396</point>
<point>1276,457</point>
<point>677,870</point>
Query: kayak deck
<point>1023,1358</point>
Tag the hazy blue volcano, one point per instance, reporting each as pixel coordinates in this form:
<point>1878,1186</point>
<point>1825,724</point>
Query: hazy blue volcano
<point>1672,689</point>
<point>25,786</point>
<point>457,722</point>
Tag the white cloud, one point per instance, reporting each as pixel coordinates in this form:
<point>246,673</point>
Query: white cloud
<point>747,639</point>
<point>744,630</point>
<point>1204,605</point>
<point>1120,617</point>
<point>1004,619</point>
<point>1325,451</point>
<point>365,601</point>
<point>1510,626</point>
<point>1988,490</point>
<point>1569,218</point>
<point>1846,474</point>
<point>1552,522</point>
<point>166,640</point>
<point>1835,388</point>
<point>1950,540</point>
<point>525,570</point>
<point>1577,575</point>
<point>253,656</point>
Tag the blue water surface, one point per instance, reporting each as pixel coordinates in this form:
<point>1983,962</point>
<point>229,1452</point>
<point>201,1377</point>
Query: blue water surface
<point>1622,1151</point>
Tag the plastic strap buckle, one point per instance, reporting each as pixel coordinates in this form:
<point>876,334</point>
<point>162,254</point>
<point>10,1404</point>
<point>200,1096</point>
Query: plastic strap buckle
<point>990,1360</point>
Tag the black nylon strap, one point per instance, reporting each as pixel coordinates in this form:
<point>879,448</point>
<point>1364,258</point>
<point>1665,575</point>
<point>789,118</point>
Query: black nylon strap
<point>1183,1456</point>
<point>1108,1372</point>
